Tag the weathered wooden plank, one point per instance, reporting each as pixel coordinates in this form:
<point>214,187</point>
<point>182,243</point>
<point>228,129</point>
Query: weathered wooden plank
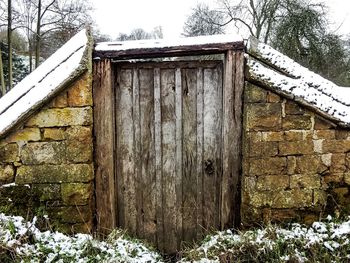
<point>170,64</point>
<point>192,50</point>
<point>178,164</point>
<point>199,162</point>
<point>135,189</point>
<point>227,195</point>
<point>212,147</point>
<point>158,160</point>
<point>189,177</point>
<point>148,180</point>
<point>169,158</point>
<point>125,150</point>
<point>237,139</point>
<point>104,146</point>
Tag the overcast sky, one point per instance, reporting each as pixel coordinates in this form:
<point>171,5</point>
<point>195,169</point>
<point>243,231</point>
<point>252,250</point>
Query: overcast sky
<point>115,16</point>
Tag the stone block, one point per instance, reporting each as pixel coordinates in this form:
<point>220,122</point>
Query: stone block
<point>76,193</point>
<point>297,122</point>
<point>291,108</point>
<point>44,153</point>
<point>296,148</point>
<point>55,134</point>
<point>263,116</point>
<point>59,101</point>
<point>338,164</point>
<point>298,135</point>
<point>294,198</point>
<point>254,136</point>
<point>9,153</point>
<point>260,199</point>
<point>261,149</point>
<point>320,198</point>
<point>336,146</point>
<point>322,124</point>
<point>310,164</point>
<point>54,173</point>
<point>47,192</point>
<point>272,97</point>
<point>79,133</point>
<point>324,134</point>
<point>342,135</point>
<point>268,166</point>
<point>79,152</point>
<point>334,178</point>
<point>272,182</point>
<point>272,136</point>
<point>76,214</point>
<point>305,181</point>
<point>254,94</point>
<point>7,174</point>
<point>80,94</point>
<point>61,117</point>
<point>26,134</point>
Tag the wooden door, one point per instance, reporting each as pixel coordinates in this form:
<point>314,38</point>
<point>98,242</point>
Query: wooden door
<point>176,148</point>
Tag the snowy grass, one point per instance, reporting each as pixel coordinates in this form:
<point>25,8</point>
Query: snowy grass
<point>322,242</point>
<point>21,241</point>
<point>327,241</point>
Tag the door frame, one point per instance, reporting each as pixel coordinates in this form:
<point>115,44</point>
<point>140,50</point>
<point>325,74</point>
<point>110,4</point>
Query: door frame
<point>104,129</point>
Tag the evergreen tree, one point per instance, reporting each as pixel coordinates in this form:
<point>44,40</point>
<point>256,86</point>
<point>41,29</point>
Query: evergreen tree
<point>20,70</point>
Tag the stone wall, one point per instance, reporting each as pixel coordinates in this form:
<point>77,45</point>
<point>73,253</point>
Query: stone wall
<point>46,165</point>
<point>296,165</point>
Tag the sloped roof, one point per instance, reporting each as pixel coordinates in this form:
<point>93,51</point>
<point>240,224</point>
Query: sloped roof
<point>279,73</point>
<point>67,63</point>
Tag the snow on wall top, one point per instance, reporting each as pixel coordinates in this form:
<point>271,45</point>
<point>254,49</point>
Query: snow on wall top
<point>166,43</point>
<point>276,70</point>
<point>42,84</point>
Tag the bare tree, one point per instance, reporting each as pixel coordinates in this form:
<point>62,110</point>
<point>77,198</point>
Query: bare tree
<point>2,79</point>
<point>9,42</point>
<point>204,21</point>
<point>140,33</point>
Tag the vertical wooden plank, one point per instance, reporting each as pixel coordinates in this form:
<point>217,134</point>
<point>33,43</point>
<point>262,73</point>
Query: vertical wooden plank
<point>158,160</point>
<point>237,140</point>
<point>189,182</point>
<point>135,189</point>
<point>178,164</point>
<point>227,195</point>
<point>169,158</point>
<point>200,142</point>
<point>212,147</point>
<point>125,150</point>
<point>104,146</point>
<point>148,183</point>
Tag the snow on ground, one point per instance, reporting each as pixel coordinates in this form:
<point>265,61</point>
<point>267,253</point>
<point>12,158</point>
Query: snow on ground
<point>301,82</point>
<point>322,240</point>
<point>32,245</point>
<point>326,241</point>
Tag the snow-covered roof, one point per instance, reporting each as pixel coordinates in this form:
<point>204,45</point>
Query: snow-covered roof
<point>276,71</point>
<point>67,63</point>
